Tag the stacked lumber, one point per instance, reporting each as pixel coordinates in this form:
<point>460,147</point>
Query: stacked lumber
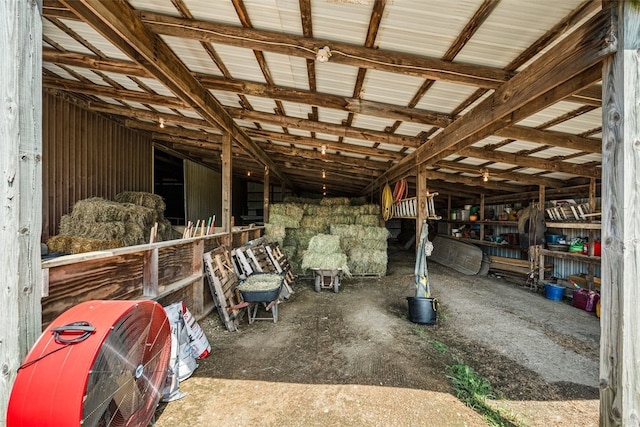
<point>515,270</point>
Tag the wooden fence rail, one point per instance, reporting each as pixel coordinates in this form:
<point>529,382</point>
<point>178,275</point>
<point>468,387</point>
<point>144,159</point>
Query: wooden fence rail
<point>167,272</point>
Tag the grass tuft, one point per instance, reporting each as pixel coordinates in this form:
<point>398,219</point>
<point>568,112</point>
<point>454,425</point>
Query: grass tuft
<point>473,391</point>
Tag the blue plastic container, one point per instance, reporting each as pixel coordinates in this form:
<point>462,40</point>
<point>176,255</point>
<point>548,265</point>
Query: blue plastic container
<point>553,291</point>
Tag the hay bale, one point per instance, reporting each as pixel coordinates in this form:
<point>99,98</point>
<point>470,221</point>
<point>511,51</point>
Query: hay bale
<point>324,252</point>
<point>317,210</point>
<point>60,243</point>
<point>283,220</point>
<point>348,244</point>
<point>287,209</point>
<point>367,220</point>
<point>325,243</point>
<point>142,198</point>
<point>274,233</point>
<point>318,223</point>
<point>325,261</point>
<point>81,245</point>
<point>341,219</point>
<point>363,261</point>
<point>91,229</point>
<point>373,233</point>
<point>97,209</point>
<point>334,201</point>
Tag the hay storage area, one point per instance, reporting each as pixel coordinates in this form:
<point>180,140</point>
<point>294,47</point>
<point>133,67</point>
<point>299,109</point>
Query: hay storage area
<point>362,242</point>
<point>99,224</point>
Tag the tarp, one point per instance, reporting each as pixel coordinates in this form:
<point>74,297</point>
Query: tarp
<point>424,249</point>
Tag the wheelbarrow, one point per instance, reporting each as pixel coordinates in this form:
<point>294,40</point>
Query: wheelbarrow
<point>327,278</point>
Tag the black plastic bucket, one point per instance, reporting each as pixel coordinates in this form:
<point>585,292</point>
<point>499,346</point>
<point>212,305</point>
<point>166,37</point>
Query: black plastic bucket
<point>422,310</point>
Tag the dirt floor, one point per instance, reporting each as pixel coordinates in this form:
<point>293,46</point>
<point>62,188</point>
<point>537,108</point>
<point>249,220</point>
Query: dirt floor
<point>353,358</point>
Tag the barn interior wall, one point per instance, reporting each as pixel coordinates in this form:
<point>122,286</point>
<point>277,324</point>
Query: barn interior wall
<point>203,192</point>
<point>87,155</point>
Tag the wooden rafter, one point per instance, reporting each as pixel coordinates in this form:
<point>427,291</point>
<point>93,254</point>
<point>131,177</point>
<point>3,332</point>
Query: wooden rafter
<point>117,22</point>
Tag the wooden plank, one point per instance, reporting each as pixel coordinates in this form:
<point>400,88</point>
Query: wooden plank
<point>380,59</point>
<point>120,277</point>
<point>620,298</point>
<point>21,186</point>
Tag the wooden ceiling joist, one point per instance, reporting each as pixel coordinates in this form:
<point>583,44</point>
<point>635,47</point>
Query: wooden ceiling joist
<point>579,51</point>
<point>342,53</point>
<point>118,23</point>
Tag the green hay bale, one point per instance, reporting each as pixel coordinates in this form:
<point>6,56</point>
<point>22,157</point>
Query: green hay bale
<point>283,220</point>
<point>349,244</point>
<point>319,224</point>
<point>369,210</point>
<point>325,261</point>
<point>364,261</point>
<point>141,198</point>
<point>368,220</point>
<point>274,233</point>
<point>324,243</point>
<point>373,233</point>
<point>341,219</point>
<point>317,210</point>
<point>287,209</point>
<point>334,201</point>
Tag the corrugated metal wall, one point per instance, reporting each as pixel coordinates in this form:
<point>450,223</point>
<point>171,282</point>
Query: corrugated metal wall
<point>87,155</point>
<point>203,192</point>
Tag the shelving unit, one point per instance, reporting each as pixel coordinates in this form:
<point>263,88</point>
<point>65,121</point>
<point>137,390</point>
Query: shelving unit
<point>481,241</point>
<point>590,259</point>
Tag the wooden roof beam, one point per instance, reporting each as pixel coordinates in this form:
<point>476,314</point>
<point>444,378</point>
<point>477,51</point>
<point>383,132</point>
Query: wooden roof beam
<point>579,51</point>
<point>119,24</point>
<point>343,53</point>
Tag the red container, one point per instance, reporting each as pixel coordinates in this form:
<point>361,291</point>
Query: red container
<point>597,248</point>
<point>585,299</point>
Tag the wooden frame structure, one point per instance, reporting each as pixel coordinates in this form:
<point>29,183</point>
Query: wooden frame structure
<point>567,70</point>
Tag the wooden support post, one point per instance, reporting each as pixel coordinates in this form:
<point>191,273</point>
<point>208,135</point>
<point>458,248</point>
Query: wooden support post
<point>265,195</point>
<point>198,287</point>
<point>448,217</point>
<point>20,186</point>
<point>227,166</point>
<point>481,217</point>
<point>620,298</point>
<point>150,274</point>
<point>421,200</point>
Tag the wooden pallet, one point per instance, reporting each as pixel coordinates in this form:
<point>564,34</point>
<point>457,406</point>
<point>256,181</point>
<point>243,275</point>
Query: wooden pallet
<point>262,258</point>
<point>280,262</point>
<point>223,284</point>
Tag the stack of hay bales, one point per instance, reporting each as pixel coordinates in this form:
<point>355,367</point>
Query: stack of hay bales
<point>284,219</point>
<point>324,252</point>
<point>355,222</point>
<point>99,224</point>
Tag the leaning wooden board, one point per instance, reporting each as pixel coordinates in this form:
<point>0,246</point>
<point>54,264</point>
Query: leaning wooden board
<point>462,257</point>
